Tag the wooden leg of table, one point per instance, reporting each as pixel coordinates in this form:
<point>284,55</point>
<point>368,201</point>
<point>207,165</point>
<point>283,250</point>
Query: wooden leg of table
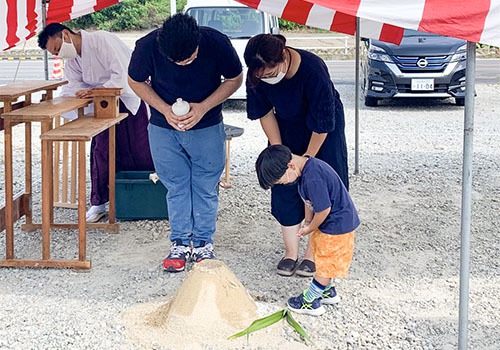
<point>46,189</point>
<point>9,190</point>
<point>28,162</point>
<point>65,172</point>
<point>112,170</point>
<point>50,151</point>
<point>82,195</point>
<point>28,184</point>
<point>57,155</point>
<point>74,147</point>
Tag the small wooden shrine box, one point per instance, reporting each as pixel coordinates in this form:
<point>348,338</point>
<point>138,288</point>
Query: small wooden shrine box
<point>106,102</point>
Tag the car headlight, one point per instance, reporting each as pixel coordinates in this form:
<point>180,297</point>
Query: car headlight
<point>378,54</point>
<point>460,54</point>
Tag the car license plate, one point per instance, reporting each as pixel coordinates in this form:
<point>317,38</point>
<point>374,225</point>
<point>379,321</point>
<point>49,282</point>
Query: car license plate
<point>422,84</point>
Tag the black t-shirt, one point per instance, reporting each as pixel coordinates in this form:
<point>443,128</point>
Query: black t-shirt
<point>307,100</point>
<point>193,82</point>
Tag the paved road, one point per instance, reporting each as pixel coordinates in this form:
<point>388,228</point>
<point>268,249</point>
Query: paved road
<point>342,72</point>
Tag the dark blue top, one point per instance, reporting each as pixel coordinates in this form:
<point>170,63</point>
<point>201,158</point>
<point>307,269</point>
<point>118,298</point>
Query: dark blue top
<point>305,103</point>
<point>193,82</point>
<point>320,187</point>
<point>307,99</point>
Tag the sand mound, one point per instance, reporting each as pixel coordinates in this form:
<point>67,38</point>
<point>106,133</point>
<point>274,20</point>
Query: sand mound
<point>211,295</point>
<point>210,305</point>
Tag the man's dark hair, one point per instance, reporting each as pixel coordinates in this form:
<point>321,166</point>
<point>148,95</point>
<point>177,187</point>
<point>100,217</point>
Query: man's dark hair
<point>179,37</point>
<point>53,29</point>
<point>271,165</point>
<point>263,51</point>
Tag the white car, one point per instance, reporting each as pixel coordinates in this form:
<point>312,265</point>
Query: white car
<point>237,21</point>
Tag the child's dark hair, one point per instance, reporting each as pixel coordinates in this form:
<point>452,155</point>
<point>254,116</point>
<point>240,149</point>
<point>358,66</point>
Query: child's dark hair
<point>271,165</point>
<point>53,29</point>
<point>179,37</point>
<point>263,51</point>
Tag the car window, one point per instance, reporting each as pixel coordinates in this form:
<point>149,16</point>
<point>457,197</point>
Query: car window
<point>235,22</point>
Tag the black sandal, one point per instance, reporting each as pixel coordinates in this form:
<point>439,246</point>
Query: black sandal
<point>307,268</point>
<point>286,267</point>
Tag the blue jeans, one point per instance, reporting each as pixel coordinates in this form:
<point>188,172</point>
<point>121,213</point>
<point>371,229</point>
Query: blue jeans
<point>189,164</point>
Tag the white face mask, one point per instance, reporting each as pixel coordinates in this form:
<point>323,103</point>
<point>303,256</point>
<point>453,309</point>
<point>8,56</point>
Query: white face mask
<point>274,80</point>
<point>67,50</point>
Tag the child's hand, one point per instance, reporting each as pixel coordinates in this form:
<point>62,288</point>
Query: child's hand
<point>303,231</point>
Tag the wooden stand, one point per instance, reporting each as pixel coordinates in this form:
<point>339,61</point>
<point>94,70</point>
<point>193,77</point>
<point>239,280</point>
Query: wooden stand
<point>20,206</point>
<point>78,131</point>
<point>81,131</point>
<point>43,113</point>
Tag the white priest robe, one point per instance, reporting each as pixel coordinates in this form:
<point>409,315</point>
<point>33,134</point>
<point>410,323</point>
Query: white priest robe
<point>103,63</point>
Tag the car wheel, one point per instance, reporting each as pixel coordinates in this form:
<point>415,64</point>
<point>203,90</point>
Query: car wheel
<point>460,101</point>
<point>371,101</point>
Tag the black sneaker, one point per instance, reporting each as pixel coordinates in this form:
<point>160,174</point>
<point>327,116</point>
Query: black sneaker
<point>203,253</point>
<point>330,297</point>
<point>176,259</point>
<point>301,306</point>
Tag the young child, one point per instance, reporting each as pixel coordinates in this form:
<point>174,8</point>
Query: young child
<point>330,216</point>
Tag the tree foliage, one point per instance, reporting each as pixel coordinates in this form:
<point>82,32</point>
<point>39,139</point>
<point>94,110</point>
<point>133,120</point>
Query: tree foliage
<point>140,15</point>
<point>287,25</point>
<point>128,15</point>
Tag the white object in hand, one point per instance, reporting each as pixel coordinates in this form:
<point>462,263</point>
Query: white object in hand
<point>180,107</point>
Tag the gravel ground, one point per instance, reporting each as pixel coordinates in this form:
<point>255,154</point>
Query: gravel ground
<point>403,290</point>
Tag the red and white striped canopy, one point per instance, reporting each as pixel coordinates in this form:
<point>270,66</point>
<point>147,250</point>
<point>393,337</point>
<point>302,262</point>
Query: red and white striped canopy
<point>305,12</point>
<point>24,17</point>
<point>476,21</point>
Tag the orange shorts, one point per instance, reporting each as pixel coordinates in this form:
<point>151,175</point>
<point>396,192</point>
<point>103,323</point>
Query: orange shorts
<point>332,253</point>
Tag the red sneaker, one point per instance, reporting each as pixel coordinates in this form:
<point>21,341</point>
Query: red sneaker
<point>176,260</point>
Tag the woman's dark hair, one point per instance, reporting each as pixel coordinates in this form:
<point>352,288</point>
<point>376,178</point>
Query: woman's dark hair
<point>179,37</point>
<point>53,29</point>
<point>271,165</point>
<point>263,51</point>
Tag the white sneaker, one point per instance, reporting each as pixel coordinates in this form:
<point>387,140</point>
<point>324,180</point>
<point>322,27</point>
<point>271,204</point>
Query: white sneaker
<point>96,212</point>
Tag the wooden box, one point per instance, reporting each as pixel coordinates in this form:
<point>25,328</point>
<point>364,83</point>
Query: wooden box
<point>106,102</point>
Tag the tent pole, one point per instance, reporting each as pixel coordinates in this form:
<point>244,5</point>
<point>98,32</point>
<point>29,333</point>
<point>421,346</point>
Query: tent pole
<point>173,7</point>
<point>466,197</point>
<point>356,104</point>
<point>45,55</point>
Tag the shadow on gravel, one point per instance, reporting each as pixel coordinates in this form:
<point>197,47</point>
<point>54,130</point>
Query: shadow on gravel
<point>235,105</point>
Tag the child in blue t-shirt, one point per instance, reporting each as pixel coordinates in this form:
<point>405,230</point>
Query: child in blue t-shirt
<point>330,216</point>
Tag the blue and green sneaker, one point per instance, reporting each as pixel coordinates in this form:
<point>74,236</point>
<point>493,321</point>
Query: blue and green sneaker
<point>330,297</point>
<point>301,306</point>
